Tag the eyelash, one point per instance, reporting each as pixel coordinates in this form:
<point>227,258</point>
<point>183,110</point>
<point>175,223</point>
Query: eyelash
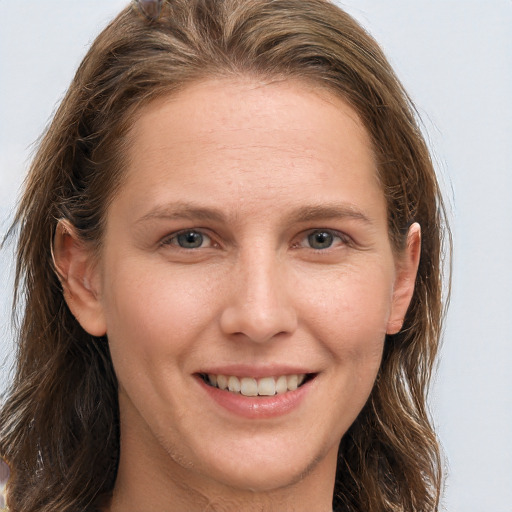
<point>172,240</point>
<point>344,239</point>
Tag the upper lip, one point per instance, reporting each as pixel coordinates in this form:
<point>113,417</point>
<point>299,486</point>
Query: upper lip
<point>258,372</point>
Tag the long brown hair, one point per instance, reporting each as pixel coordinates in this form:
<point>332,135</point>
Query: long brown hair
<point>59,427</point>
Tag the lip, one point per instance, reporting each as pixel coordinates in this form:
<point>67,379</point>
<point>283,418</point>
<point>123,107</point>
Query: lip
<point>260,407</point>
<point>258,372</point>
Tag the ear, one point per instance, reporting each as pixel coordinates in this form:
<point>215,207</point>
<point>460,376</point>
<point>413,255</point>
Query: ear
<point>407,267</point>
<point>79,276</point>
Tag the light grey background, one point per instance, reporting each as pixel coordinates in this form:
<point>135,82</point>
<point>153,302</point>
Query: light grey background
<point>455,58</point>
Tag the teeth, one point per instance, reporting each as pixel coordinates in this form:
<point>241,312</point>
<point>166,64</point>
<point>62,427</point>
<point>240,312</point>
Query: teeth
<point>267,386</point>
<point>247,386</point>
<point>222,382</point>
<point>234,384</point>
<point>282,385</point>
<point>293,382</point>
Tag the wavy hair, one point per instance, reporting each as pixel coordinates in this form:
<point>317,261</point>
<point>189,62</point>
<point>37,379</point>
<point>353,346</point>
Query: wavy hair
<point>59,426</point>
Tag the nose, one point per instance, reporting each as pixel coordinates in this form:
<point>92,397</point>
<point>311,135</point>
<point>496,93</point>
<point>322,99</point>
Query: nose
<point>259,306</point>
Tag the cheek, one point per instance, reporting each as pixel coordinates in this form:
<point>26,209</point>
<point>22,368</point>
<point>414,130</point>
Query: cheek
<point>350,319</point>
<point>154,311</point>
<point>160,313</point>
<point>352,312</point>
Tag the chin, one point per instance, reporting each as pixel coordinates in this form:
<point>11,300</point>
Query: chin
<point>260,480</point>
<point>271,471</point>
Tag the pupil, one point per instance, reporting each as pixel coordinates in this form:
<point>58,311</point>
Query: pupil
<point>320,240</point>
<point>190,240</point>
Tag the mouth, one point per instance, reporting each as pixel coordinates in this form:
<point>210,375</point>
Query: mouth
<point>252,387</point>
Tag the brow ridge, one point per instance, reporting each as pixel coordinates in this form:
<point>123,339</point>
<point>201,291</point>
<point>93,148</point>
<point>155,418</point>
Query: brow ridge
<point>307,213</point>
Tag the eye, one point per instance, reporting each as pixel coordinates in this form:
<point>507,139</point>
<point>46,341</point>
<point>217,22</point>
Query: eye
<point>321,239</point>
<point>189,239</point>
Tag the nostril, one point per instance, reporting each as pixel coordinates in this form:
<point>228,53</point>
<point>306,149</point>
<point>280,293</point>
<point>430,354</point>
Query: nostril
<point>259,325</point>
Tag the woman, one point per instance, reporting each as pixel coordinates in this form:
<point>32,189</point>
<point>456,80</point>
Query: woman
<point>229,251</point>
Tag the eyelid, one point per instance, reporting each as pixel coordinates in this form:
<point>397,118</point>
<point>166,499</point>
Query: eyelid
<point>300,243</point>
<point>345,239</point>
<point>167,240</point>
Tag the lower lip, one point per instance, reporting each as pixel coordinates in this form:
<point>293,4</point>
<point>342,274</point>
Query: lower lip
<point>259,407</point>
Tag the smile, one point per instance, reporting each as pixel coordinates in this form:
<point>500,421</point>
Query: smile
<point>249,386</point>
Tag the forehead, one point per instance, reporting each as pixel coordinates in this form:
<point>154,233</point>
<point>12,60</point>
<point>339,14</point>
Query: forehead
<point>253,142</point>
<point>248,111</point>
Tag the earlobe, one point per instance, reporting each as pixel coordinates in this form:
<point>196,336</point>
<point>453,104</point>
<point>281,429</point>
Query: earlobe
<point>407,269</point>
<point>78,274</point>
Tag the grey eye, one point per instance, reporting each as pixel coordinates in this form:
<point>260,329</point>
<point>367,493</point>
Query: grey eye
<point>320,239</point>
<point>190,239</point>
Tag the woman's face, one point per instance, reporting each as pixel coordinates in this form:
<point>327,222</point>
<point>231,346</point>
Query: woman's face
<point>247,247</point>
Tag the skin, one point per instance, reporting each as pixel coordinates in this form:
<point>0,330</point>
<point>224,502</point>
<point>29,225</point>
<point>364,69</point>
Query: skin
<point>276,162</point>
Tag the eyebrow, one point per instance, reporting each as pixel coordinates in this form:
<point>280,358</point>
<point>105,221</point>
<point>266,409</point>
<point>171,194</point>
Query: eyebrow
<point>181,210</point>
<point>192,211</point>
<point>328,211</point>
